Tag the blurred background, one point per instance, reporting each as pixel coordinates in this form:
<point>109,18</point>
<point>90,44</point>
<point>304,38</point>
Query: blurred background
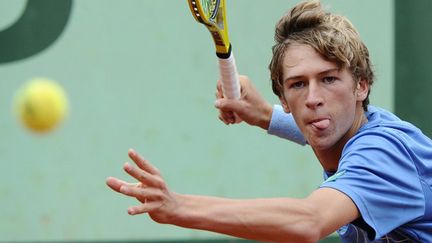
<point>141,74</point>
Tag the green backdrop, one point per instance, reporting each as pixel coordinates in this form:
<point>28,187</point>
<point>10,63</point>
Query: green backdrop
<point>141,74</point>
<point>413,51</point>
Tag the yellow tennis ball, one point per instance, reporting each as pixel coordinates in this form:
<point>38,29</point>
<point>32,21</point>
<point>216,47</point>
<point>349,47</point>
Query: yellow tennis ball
<point>41,104</point>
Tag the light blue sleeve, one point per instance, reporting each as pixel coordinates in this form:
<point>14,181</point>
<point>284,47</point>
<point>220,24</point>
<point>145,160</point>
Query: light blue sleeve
<point>282,124</point>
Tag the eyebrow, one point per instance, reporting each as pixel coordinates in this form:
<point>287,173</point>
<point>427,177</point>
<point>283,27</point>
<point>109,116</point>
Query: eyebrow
<point>320,73</point>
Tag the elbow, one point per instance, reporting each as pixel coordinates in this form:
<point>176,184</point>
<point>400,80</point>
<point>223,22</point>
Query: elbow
<point>312,235</point>
<point>306,230</point>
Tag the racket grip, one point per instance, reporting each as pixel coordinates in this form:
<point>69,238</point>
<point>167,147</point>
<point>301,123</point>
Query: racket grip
<point>229,77</point>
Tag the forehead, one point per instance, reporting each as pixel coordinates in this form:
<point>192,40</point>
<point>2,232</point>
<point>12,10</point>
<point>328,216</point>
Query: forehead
<point>300,59</point>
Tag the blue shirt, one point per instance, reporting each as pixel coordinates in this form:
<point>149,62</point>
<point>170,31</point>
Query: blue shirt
<point>386,169</point>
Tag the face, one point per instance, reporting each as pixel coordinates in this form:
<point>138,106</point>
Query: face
<point>324,99</point>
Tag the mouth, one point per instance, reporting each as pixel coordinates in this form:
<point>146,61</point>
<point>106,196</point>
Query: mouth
<point>320,124</point>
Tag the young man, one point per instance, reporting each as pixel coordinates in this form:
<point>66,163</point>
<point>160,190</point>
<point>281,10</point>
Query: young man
<point>378,168</point>
<point>384,165</point>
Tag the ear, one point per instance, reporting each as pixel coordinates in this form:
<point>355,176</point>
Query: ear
<point>284,104</point>
<point>362,90</point>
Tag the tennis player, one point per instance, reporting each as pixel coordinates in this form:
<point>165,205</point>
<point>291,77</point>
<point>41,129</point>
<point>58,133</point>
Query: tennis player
<point>377,168</point>
<point>381,163</point>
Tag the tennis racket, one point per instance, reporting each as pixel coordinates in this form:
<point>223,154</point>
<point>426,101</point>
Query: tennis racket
<point>212,14</point>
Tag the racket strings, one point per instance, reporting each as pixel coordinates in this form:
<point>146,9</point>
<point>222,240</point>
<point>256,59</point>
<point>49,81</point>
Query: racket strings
<point>210,9</point>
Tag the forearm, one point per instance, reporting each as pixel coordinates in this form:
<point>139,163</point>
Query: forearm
<point>269,220</point>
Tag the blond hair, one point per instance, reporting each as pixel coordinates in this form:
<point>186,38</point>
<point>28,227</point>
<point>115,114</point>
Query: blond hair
<point>331,35</point>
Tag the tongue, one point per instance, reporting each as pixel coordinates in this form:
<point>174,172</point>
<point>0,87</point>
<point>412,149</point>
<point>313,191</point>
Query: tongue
<point>323,124</point>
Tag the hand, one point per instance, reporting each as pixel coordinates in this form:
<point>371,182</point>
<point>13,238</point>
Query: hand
<point>251,107</point>
<point>155,197</point>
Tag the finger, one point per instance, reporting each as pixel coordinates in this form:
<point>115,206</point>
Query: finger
<point>228,109</point>
<point>219,90</point>
<point>228,105</point>
<point>223,120</point>
<point>230,117</point>
<point>143,208</point>
<point>219,86</point>
<point>219,94</point>
<point>135,191</point>
<point>142,176</point>
<point>116,184</point>
<point>227,116</point>
<point>142,163</point>
<point>140,193</point>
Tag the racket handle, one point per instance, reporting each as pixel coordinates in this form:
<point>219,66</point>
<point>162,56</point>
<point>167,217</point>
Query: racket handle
<point>229,77</point>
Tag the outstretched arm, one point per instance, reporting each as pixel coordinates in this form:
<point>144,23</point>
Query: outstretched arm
<point>268,220</point>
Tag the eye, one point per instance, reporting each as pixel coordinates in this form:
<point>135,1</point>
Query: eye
<point>297,85</point>
<point>329,80</point>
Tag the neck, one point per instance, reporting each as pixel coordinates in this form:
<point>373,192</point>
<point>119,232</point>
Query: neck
<point>329,158</point>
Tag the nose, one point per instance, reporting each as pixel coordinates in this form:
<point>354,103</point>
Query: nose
<point>314,97</point>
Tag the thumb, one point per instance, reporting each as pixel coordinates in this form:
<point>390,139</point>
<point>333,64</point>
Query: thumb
<point>228,105</point>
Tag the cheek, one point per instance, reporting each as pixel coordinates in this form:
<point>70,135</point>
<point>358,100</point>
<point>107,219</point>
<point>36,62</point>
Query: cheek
<point>291,97</point>
<point>348,96</point>
<point>285,101</point>
<point>347,108</point>
<point>346,115</point>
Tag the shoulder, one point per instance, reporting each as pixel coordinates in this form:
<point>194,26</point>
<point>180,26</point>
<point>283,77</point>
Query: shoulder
<point>386,134</point>
<point>381,119</point>
<point>373,141</point>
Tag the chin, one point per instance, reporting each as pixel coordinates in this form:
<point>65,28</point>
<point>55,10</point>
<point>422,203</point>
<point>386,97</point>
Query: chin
<point>321,144</point>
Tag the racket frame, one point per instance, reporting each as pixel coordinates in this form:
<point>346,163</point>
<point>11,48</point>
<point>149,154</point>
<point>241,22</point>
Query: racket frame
<point>216,23</point>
